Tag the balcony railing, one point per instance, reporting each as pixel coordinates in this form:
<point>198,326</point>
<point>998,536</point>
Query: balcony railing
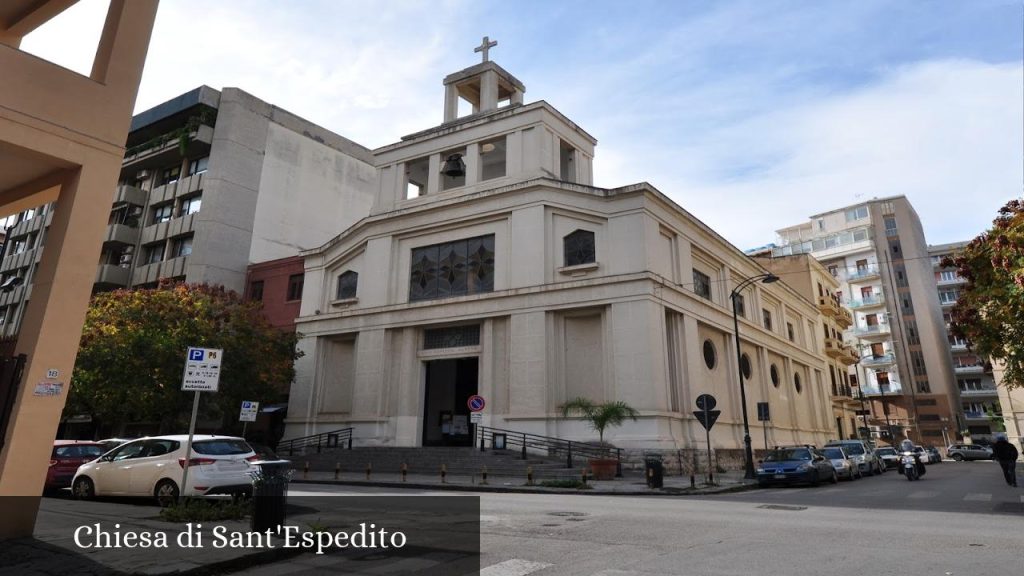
<point>862,273</point>
<point>873,330</point>
<point>844,319</point>
<point>970,369</point>
<point>979,392</point>
<point>880,361</point>
<point>867,302</point>
<point>958,346</point>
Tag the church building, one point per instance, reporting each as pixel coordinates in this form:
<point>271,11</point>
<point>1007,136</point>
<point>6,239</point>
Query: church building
<point>490,264</point>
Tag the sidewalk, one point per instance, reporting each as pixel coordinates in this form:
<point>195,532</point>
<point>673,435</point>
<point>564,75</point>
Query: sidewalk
<point>631,484</point>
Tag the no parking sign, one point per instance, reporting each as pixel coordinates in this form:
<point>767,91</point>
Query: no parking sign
<point>476,403</point>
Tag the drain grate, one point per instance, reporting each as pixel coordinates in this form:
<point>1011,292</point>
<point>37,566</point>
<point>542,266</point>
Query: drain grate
<point>782,507</point>
<point>570,514</point>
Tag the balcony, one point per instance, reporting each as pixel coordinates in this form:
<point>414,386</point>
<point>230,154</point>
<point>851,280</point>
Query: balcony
<point>125,194</point>
<point>862,273</point>
<point>875,332</point>
<point>844,319</point>
<point>111,275</point>
<point>975,416</point>
<point>947,302</point>
<point>979,392</point>
<point>833,347</point>
<point>969,369</point>
<point>958,346</point>
<point>166,148</point>
<point>880,362</point>
<point>828,305</point>
<point>849,356</point>
<point>953,282</point>
<point>889,389</point>
<point>873,301</point>
<point>122,234</point>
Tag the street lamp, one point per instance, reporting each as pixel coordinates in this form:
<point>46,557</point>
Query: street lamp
<point>766,278</point>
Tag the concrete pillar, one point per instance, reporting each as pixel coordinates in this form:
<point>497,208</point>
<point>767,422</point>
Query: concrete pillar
<point>451,102</point>
<point>434,174</point>
<point>488,91</point>
<point>472,160</point>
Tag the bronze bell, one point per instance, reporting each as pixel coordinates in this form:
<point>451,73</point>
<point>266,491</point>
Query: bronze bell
<point>454,166</point>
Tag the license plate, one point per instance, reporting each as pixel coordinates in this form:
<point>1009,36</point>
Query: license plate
<point>780,476</point>
<point>231,464</point>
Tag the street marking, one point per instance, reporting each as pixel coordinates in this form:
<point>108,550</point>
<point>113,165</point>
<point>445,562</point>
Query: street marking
<point>924,494</point>
<point>514,567</point>
<point>978,497</point>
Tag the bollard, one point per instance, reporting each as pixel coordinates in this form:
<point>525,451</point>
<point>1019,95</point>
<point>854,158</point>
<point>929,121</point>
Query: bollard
<point>405,470</point>
<point>444,472</point>
<point>583,474</point>
<point>337,470</point>
<point>483,476</point>
<point>529,475</point>
<point>369,468</point>
<point>305,471</point>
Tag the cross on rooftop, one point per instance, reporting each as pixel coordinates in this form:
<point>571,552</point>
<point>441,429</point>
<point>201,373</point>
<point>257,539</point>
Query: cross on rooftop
<point>485,46</point>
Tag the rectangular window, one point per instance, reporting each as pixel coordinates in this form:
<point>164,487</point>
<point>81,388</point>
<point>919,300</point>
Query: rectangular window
<point>890,225</point>
<point>492,159</point>
<point>790,332</point>
<point>256,290</point>
<point>766,315</point>
<point>451,337</point>
<point>452,269</point>
<point>701,284</point>
<point>948,276</point>
<point>198,166</point>
<point>740,305</point>
<point>182,247</point>
<point>162,213</point>
<point>154,254</point>
<point>858,213</point>
<point>169,175</point>
<point>191,204</point>
<point>295,287</point>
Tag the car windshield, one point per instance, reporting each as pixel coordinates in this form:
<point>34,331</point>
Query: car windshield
<point>886,451</point>
<point>854,449</point>
<point>834,453</point>
<point>221,447</point>
<point>781,455</point>
<point>78,451</point>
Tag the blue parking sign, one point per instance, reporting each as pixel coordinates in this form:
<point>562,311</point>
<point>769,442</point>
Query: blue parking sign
<point>195,354</point>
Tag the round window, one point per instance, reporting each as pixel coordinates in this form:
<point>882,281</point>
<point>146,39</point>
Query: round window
<point>709,354</point>
<point>796,383</point>
<point>745,366</point>
<point>774,372</point>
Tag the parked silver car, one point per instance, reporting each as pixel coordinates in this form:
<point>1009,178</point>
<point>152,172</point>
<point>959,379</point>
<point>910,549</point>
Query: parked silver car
<point>961,452</point>
<point>862,453</point>
<point>846,469</point>
<point>889,457</point>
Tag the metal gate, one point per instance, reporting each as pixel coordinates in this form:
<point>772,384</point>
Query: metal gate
<point>11,368</point>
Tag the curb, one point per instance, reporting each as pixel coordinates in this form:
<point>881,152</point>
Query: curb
<point>535,490</point>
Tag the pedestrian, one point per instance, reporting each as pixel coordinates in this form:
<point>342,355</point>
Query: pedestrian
<point>1006,454</point>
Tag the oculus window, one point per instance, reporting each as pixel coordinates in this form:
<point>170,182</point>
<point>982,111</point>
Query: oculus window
<point>579,248</point>
<point>773,371</point>
<point>710,357</point>
<point>452,269</point>
<point>347,283</point>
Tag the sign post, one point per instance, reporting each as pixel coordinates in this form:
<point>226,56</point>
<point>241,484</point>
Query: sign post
<point>763,415</point>
<point>202,374</point>
<point>476,404</point>
<point>248,414</point>
<point>707,417</point>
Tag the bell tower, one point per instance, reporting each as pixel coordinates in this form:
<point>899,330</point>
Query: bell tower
<point>485,86</point>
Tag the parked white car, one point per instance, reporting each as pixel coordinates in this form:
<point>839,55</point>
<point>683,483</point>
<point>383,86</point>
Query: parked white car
<point>153,467</point>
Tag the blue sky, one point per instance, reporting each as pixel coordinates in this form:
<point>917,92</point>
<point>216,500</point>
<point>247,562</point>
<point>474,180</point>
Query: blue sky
<point>751,115</point>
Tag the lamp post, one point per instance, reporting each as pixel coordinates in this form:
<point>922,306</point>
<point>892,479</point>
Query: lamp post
<point>766,278</point>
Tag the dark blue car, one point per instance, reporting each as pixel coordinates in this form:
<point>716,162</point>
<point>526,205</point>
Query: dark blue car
<point>795,466</point>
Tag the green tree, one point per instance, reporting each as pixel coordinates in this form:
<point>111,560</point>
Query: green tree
<point>599,416</point>
<point>989,312</point>
<point>132,356</point>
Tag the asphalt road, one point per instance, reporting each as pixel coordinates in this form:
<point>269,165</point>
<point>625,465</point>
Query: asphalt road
<point>960,519</point>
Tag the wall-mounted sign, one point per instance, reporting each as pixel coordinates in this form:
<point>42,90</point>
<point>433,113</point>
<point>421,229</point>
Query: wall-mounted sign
<point>48,389</point>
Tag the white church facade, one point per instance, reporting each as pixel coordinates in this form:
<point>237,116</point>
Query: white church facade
<point>491,265</point>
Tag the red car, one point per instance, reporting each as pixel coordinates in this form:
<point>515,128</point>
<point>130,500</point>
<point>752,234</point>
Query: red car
<point>65,459</point>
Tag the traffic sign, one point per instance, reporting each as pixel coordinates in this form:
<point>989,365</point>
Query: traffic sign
<point>476,418</point>
<point>706,402</point>
<point>202,370</point>
<point>763,415</point>
<point>249,410</point>
<point>476,403</point>
<point>707,418</point>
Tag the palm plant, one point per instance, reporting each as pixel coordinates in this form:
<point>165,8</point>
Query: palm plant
<point>599,416</point>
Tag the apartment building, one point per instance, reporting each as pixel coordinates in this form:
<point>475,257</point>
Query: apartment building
<point>877,252</point>
<point>979,406</point>
<point>211,183</point>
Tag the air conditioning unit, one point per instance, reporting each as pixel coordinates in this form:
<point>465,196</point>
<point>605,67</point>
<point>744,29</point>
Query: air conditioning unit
<point>126,259</point>
<point>135,211</point>
<point>142,174</point>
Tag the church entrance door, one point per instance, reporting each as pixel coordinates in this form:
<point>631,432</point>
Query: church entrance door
<point>450,383</point>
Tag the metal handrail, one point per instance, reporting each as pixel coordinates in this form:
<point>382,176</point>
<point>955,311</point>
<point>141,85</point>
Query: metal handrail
<point>553,446</point>
<point>331,439</point>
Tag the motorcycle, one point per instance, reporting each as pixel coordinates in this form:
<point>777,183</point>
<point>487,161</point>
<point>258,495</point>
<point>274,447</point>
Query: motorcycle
<point>910,466</point>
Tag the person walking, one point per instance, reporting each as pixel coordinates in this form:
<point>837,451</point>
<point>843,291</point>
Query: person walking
<point>1006,454</point>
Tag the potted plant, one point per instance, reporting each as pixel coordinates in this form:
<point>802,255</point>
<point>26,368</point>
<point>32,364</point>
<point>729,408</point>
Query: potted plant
<point>600,417</point>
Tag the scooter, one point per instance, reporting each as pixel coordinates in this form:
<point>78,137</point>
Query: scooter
<point>910,467</point>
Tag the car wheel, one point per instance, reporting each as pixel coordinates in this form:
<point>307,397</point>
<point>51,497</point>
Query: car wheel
<point>958,457</point>
<point>166,493</point>
<point>83,489</point>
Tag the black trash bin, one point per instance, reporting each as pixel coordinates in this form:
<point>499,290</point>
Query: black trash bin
<point>270,494</point>
<point>654,470</point>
